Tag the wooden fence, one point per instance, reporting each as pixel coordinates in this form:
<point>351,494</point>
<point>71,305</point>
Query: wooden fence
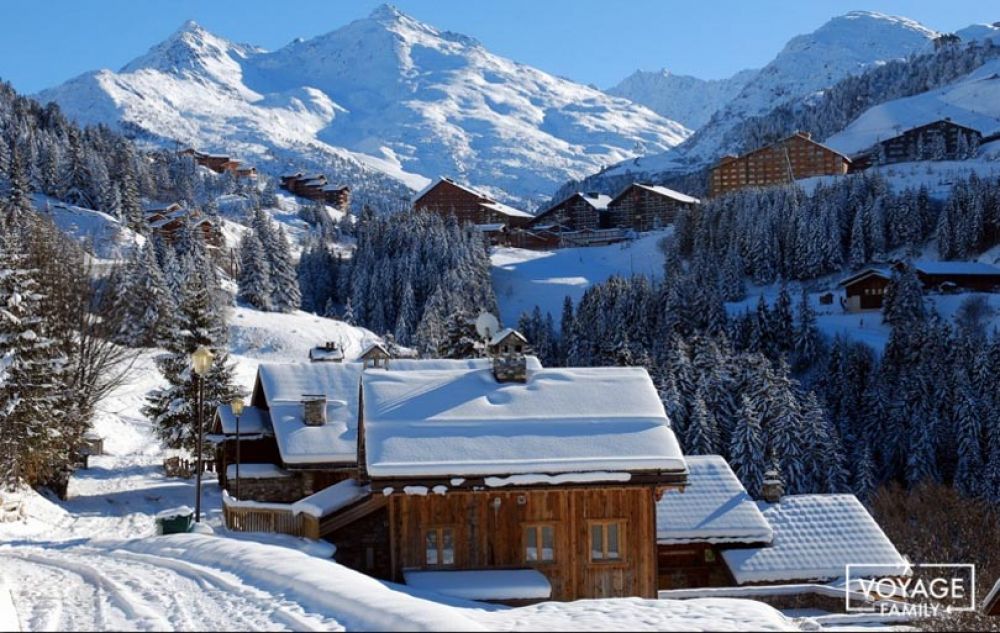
<point>275,518</point>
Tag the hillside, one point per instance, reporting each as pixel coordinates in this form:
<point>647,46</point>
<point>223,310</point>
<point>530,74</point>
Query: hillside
<point>385,101</point>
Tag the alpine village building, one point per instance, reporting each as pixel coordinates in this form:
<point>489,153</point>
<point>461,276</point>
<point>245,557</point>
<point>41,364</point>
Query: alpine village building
<point>317,188</point>
<point>788,160</point>
<point>865,289</point>
<point>445,197</point>
<point>499,480</point>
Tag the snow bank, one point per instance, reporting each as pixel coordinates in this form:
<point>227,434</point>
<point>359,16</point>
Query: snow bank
<point>483,584</point>
<point>357,601</point>
<point>8,615</point>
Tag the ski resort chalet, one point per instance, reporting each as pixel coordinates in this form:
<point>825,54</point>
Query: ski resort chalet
<point>865,289</point>
<point>317,188</point>
<point>785,161</point>
<point>465,478</point>
<point>446,197</point>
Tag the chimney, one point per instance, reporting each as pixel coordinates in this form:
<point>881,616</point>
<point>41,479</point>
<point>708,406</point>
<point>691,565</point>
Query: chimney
<point>314,409</point>
<point>773,488</point>
<point>510,368</point>
<point>804,134</point>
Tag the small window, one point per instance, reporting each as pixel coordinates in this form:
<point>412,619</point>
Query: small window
<point>539,544</point>
<point>607,541</point>
<point>439,546</point>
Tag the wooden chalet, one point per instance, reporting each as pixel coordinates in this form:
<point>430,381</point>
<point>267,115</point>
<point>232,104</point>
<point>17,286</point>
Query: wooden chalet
<point>487,477</point>
<point>644,207</point>
<point>169,219</point>
<point>220,163</point>
<point>375,356</point>
<point>317,188</point>
<point>446,197</point>
<point>578,212</point>
<point>783,162</point>
<point>865,290</point>
<point>329,352</point>
<point>508,341</point>
<point>940,140</point>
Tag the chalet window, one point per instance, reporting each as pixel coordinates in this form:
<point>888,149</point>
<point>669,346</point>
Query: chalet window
<point>539,543</point>
<point>439,546</point>
<point>607,541</point>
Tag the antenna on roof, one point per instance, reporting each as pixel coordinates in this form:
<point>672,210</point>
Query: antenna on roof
<point>486,326</point>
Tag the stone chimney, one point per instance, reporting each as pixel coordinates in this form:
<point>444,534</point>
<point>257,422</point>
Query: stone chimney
<point>510,368</point>
<point>773,488</point>
<point>314,409</point>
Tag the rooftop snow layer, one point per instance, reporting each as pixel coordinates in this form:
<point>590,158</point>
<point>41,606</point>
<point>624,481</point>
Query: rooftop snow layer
<point>483,584</point>
<point>331,498</point>
<point>714,508</point>
<point>257,471</point>
<point>465,423</point>
<point>254,421</point>
<point>956,268</point>
<point>815,538</point>
<point>670,193</point>
<point>336,440</point>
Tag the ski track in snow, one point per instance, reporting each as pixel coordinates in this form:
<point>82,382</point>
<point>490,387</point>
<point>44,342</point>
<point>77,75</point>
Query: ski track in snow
<point>114,590</point>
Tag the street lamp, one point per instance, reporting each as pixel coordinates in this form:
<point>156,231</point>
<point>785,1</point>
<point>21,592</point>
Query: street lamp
<point>201,362</point>
<point>237,406</point>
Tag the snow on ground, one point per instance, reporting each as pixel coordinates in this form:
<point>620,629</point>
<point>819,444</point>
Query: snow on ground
<point>525,278</point>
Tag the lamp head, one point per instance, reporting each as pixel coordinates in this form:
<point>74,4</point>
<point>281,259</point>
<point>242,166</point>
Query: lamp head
<point>237,405</point>
<point>201,360</point>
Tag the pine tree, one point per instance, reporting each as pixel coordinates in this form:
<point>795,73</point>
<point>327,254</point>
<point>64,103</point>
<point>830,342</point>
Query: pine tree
<point>807,337</point>
<point>746,448</point>
<point>254,278</point>
<point>146,300</point>
<point>701,437</point>
<point>285,294</point>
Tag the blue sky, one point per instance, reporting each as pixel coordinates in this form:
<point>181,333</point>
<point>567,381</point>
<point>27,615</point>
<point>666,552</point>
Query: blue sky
<point>45,42</point>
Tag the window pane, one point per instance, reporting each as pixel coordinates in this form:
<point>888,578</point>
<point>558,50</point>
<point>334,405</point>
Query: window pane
<point>531,544</point>
<point>548,543</point>
<point>613,551</point>
<point>431,547</point>
<point>448,549</point>
<point>596,542</point>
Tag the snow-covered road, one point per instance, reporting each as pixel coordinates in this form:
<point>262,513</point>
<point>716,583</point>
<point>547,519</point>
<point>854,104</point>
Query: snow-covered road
<point>85,588</point>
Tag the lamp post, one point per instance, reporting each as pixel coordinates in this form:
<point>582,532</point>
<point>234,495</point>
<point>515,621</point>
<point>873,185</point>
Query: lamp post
<point>237,407</point>
<point>201,362</point>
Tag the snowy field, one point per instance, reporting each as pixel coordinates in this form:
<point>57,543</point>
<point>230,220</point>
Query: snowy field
<point>525,278</point>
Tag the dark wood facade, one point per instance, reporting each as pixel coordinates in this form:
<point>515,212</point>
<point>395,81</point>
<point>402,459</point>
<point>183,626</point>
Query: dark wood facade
<point>687,565</point>
<point>865,291</point>
<point>576,213</point>
<point>790,159</point>
<point>644,208</point>
<point>940,140</point>
<point>220,163</point>
<point>492,529</point>
<point>446,197</point>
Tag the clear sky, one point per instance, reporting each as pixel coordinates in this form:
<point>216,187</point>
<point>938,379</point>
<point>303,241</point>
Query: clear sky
<point>45,42</point>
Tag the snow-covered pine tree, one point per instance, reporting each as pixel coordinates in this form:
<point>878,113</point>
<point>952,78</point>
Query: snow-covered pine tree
<point>285,294</point>
<point>254,278</point>
<point>146,299</point>
<point>806,335</point>
<point>746,448</point>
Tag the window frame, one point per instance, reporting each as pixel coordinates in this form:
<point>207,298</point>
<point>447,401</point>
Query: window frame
<point>538,528</point>
<point>439,531</point>
<point>622,525</point>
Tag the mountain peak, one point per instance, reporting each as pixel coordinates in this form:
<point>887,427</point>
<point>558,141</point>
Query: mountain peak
<point>386,12</point>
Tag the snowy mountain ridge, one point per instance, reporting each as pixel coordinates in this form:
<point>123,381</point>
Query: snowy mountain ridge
<point>690,101</point>
<point>386,95</point>
<point>845,45</point>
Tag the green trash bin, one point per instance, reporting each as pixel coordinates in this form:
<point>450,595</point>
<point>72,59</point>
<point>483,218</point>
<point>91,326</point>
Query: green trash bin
<point>175,521</point>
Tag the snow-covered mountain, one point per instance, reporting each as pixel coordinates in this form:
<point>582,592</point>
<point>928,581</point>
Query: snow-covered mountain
<point>688,100</point>
<point>845,45</point>
<point>386,94</point>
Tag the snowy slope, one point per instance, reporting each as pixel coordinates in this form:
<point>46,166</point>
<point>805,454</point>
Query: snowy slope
<point>387,92</point>
<point>688,100</point>
<point>524,278</point>
<point>973,101</point>
<point>845,45</point>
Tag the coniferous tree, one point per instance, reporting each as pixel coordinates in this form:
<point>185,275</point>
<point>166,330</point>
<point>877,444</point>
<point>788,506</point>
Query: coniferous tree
<point>255,277</point>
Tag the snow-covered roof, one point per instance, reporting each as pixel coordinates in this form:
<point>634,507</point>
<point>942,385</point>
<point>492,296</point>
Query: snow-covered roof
<point>663,191</point>
<point>879,271</point>
<point>331,498</point>
<point>815,538</point>
<point>498,338</point>
<point>465,423</point>
<point>284,384</point>
<point>491,228</point>
<point>373,347</point>
<point>714,508</point>
<point>434,183</point>
<point>483,584</point>
<point>253,421</point>
<point>956,268</point>
<point>335,187</point>
<point>507,210</point>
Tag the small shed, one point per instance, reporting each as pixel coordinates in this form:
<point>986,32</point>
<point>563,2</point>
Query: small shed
<point>329,352</point>
<point>865,289</point>
<point>508,341</point>
<point>375,355</point>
